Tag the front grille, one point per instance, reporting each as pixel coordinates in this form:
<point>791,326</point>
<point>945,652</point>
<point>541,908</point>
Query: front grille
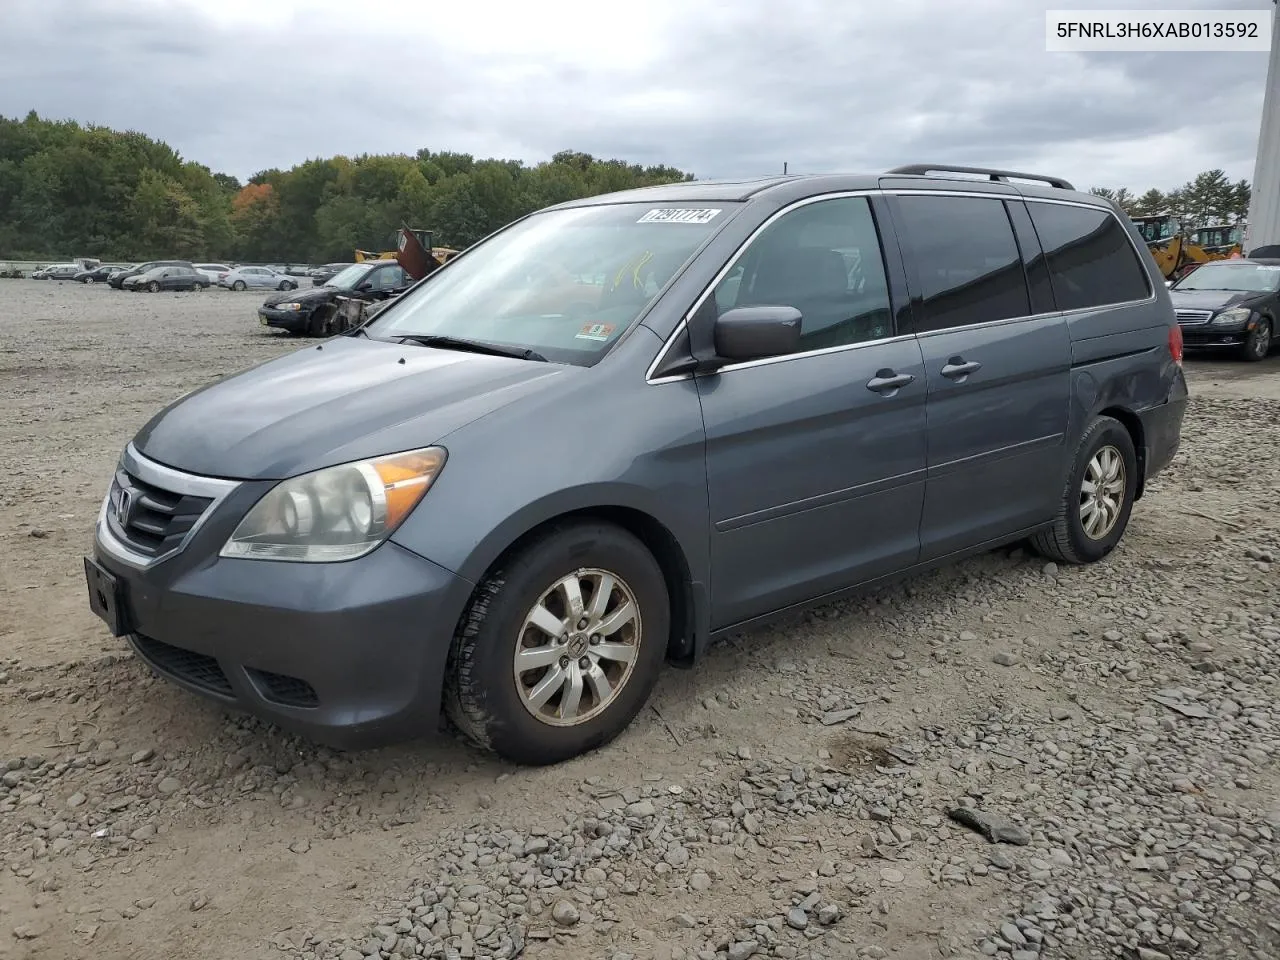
<point>157,520</point>
<point>194,668</point>
<point>285,690</point>
<point>1193,318</point>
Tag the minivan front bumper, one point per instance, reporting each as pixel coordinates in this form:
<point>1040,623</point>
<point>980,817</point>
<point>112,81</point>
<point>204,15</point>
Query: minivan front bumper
<point>348,654</point>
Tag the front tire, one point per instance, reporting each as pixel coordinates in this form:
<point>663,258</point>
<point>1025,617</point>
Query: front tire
<point>1258,344</point>
<point>153,287</point>
<point>1098,497</point>
<point>560,646</point>
<point>238,286</point>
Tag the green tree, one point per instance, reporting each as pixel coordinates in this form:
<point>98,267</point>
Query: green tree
<point>68,190</point>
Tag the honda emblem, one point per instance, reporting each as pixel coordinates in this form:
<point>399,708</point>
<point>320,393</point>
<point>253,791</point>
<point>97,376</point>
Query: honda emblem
<point>123,505</point>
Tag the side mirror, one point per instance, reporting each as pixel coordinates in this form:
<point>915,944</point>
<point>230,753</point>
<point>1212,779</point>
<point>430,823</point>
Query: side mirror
<point>365,286</point>
<point>752,333</point>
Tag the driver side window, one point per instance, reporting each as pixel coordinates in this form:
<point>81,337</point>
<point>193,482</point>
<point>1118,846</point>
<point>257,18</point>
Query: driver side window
<point>823,259</point>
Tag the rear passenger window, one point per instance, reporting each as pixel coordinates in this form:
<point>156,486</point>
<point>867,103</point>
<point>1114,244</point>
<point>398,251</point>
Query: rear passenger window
<point>1091,261</point>
<point>824,259</point>
<point>966,260</point>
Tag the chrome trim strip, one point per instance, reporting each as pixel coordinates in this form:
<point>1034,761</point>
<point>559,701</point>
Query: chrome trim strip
<point>883,191</point>
<point>842,348</point>
<point>176,481</point>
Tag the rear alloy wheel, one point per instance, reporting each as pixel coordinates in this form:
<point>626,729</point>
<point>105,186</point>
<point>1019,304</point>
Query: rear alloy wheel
<point>1095,506</point>
<point>561,646</point>
<point>1258,344</point>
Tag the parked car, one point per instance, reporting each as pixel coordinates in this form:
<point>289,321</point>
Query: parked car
<point>306,312</point>
<point>117,280</point>
<point>1231,304</point>
<point>322,275</point>
<point>56,271</point>
<point>241,278</point>
<point>168,278</point>
<point>100,273</point>
<point>212,271</point>
<point>518,490</point>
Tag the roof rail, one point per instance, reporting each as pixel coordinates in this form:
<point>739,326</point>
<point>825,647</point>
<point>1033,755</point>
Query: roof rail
<point>1003,176</point>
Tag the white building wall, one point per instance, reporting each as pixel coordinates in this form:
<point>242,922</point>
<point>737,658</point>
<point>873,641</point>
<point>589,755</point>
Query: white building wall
<point>1264,208</point>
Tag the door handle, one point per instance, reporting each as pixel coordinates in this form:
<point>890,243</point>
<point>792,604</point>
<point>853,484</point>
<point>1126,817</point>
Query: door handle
<point>957,368</point>
<point>887,382</point>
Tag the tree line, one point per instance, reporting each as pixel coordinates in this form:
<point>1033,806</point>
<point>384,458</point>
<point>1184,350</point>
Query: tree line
<point>1207,198</point>
<point>71,190</point>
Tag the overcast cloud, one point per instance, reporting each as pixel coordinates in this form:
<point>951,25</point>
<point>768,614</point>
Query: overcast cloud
<point>716,89</point>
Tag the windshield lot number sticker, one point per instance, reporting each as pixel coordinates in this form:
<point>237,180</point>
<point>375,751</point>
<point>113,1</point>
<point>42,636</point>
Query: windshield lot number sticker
<point>678,215</point>
<point>595,331</point>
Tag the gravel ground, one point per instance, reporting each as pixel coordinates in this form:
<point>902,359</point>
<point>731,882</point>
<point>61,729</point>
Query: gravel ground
<point>818,790</point>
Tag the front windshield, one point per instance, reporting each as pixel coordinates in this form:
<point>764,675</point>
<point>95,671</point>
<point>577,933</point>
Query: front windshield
<point>563,283</point>
<point>1243,277</point>
<point>348,278</point>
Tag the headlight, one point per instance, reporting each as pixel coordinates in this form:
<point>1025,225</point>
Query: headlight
<point>338,513</point>
<point>286,306</point>
<point>1234,315</point>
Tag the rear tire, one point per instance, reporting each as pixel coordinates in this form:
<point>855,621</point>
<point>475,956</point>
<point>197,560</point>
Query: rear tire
<point>1258,344</point>
<point>1097,499</point>
<point>495,703</point>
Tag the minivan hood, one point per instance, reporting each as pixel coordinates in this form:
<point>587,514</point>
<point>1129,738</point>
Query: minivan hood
<point>346,399</point>
<point>1213,299</point>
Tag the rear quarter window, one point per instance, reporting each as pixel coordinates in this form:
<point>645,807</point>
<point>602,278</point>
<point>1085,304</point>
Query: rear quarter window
<point>1092,262</point>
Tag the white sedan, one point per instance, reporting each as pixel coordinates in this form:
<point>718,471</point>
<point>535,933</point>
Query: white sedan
<point>241,278</point>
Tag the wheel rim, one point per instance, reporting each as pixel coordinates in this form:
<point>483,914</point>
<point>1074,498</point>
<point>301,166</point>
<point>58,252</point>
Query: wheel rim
<point>1261,341</point>
<point>1102,492</point>
<point>577,647</point>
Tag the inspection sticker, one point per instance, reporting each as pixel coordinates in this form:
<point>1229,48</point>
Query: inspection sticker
<point>678,215</point>
<point>595,331</point>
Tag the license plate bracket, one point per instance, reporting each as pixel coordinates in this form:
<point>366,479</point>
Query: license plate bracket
<point>106,597</point>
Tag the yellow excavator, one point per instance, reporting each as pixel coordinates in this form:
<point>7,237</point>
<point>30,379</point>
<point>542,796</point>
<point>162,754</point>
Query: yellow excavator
<point>1177,252</point>
<point>1220,239</point>
<point>424,240</point>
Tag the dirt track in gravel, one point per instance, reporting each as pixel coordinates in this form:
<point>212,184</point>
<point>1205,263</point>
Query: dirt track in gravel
<point>1030,690</point>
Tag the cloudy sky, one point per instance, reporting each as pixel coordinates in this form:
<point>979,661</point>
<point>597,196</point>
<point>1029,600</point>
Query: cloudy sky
<point>715,88</point>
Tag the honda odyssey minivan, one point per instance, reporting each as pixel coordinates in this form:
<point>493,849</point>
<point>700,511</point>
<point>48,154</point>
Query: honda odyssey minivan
<point>621,426</point>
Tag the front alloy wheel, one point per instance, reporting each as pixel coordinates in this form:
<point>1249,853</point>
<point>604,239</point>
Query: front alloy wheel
<point>577,647</point>
<point>561,644</point>
<point>1258,344</point>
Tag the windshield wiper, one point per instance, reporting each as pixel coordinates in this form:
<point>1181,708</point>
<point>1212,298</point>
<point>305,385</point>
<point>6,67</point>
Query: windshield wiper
<point>474,346</point>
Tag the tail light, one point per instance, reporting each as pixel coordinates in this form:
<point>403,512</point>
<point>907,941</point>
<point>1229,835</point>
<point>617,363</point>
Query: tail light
<point>1175,343</point>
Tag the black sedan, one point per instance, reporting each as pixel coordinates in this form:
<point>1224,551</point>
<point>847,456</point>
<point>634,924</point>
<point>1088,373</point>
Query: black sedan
<point>99,274</point>
<point>168,278</point>
<point>307,311</point>
<point>1231,304</point>
<point>116,280</point>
